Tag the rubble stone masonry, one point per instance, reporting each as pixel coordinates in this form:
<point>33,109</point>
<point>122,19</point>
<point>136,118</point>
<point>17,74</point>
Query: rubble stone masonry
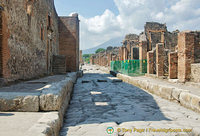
<point>195,72</point>
<point>30,38</point>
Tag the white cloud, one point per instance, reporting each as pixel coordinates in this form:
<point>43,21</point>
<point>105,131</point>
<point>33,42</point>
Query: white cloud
<point>177,14</point>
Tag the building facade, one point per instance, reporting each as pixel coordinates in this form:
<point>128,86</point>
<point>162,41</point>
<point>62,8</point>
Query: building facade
<point>29,38</point>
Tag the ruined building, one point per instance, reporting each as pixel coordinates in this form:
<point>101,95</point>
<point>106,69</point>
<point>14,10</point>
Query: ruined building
<point>105,57</point>
<point>172,55</point>
<point>130,48</point>
<point>29,39</point>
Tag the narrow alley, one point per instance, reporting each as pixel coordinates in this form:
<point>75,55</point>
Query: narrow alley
<point>103,105</point>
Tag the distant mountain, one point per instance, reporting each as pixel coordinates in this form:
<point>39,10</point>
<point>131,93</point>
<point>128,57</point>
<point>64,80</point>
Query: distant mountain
<point>115,42</point>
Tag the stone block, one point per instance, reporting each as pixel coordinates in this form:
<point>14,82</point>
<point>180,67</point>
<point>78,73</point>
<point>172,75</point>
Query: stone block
<point>195,103</point>
<point>80,73</point>
<point>52,98</point>
<point>195,72</point>
<point>166,92</point>
<point>155,89</point>
<point>185,99</point>
<point>19,102</point>
<point>116,80</point>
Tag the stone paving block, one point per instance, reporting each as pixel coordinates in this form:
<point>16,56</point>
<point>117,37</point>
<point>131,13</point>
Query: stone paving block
<point>19,101</point>
<point>52,98</point>
<point>116,80</point>
<point>85,81</point>
<point>80,73</point>
<point>101,80</point>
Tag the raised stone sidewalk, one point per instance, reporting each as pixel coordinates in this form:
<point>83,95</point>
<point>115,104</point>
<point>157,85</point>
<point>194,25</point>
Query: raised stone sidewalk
<point>46,94</point>
<point>187,94</point>
<point>26,102</point>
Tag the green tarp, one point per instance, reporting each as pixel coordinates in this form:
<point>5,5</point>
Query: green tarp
<point>130,67</point>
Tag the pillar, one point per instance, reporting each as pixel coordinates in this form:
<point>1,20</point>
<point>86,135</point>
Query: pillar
<point>150,62</point>
<point>186,44</point>
<point>173,65</point>
<point>160,59</point>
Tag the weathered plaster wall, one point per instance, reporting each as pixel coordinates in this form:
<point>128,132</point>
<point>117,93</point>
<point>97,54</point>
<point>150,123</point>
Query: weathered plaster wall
<point>30,38</point>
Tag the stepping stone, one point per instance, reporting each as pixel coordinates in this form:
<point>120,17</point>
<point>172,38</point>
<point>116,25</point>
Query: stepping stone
<point>116,80</point>
<point>85,81</point>
<point>101,80</point>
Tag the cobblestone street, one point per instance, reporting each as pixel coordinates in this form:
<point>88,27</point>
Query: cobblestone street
<point>100,101</point>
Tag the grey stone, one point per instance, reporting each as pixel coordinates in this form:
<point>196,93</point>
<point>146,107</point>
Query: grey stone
<point>19,101</point>
<point>116,80</point>
<point>101,80</point>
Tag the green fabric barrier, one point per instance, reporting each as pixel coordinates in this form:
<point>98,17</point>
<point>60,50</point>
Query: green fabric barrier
<point>130,67</point>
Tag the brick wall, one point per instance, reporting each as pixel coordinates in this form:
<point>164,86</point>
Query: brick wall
<point>69,41</point>
<point>186,41</point>
<point>160,56</point>
<point>150,62</point>
<point>173,65</point>
<point>197,48</point>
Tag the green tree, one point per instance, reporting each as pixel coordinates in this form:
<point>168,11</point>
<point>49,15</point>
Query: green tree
<point>100,50</point>
<point>86,57</point>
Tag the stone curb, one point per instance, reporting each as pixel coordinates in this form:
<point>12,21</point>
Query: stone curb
<point>184,97</point>
<point>49,99</point>
<point>19,101</point>
<point>51,123</point>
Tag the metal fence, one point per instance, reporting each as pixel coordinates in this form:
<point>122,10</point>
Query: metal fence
<point>130,67</point>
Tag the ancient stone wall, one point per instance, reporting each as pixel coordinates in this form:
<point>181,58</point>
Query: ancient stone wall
<point>155,33</point>
<point>143,50</point>
<point>59,65</point>
<point>160,59</point>
<point>195,72</point>
<point>169,54</point>
<point>69,41</point>
<point>30,38</point>
<point>150,61</point>
<point>186,41</point>
<point>131,41</point>
<point>197,48</point>
<point>171,40</point>
<point>173,65</point>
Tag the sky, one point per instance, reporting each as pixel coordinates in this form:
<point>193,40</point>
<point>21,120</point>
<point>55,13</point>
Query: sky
<point>102,20</point>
